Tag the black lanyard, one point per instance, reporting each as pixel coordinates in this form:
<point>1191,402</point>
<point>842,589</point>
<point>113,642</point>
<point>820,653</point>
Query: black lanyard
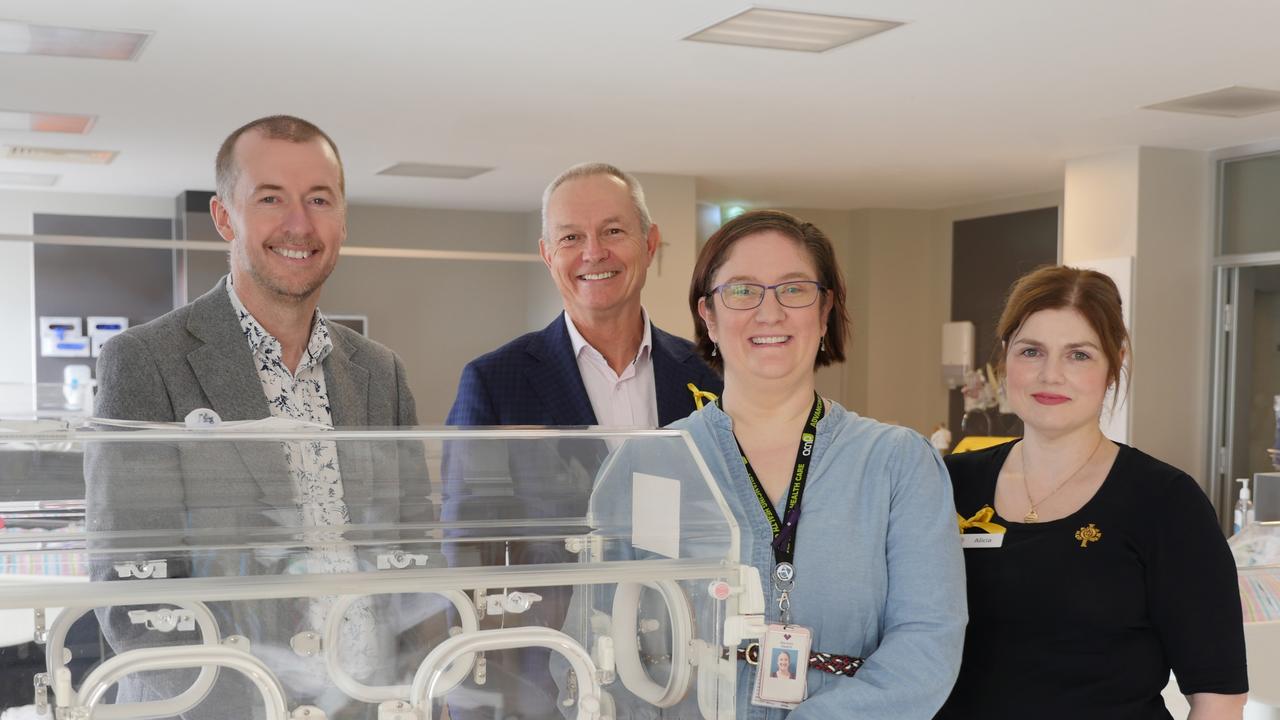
<point>784,530</point>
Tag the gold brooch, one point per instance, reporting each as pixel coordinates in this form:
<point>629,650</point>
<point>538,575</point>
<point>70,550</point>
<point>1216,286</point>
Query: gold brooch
<point>1088,534</point>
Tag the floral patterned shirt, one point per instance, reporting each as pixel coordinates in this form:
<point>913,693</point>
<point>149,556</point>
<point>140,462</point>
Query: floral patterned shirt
<point>300,395</point>
<point>313,465</point>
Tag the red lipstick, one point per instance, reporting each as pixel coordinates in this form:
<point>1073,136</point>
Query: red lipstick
<point>1050,398</point>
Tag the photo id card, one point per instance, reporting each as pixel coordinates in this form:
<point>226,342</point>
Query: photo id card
<point>781,676</point>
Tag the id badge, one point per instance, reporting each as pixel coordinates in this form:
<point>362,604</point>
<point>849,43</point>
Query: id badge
<point>781,676</point>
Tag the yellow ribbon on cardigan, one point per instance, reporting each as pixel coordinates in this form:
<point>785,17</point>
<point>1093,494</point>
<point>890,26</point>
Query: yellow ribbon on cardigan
<point>981,520</point>
<point>699,396</point>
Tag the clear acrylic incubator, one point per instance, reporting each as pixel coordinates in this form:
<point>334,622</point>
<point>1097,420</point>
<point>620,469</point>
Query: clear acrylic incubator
<point>266,571</point>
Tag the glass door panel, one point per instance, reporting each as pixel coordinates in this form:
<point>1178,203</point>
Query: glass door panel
<point>1248,337</point>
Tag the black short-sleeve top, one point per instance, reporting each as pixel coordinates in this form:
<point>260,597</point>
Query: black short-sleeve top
<point>1085,616</point>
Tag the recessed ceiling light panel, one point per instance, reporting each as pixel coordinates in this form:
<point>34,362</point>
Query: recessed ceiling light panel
<point>429,170</point>
<point>787,30</point>
<point>27,179</point>
<point>1234,102</point>
<point>65,155</point>
<point>26,39</point>
<point>45,122</point>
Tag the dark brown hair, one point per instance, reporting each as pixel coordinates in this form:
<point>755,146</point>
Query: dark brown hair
<point>814,242</point>
<point>1055,287</point>
<point>273,127</point>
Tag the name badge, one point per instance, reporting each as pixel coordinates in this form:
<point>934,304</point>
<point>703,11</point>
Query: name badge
<point>982,540</point>
<point>781,678</point>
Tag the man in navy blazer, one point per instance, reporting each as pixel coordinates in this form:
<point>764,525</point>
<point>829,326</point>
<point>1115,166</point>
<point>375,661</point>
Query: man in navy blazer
<point>600,362</point>
<point>534,380</point>
<point>597,241</point>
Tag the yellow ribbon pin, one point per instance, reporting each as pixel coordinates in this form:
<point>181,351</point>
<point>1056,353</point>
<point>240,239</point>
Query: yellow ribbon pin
<point>700,396</point>
<point>981,520</point>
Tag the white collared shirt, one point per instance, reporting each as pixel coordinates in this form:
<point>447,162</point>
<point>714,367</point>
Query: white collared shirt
<point>629,399</point>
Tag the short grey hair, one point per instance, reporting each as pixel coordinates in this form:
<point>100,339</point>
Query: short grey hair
<point>598,168</point>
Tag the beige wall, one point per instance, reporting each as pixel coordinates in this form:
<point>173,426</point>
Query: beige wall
<point>1155,205</point>
<point>672,202</point>
<point>543,300</point>
<point>847,382</point>
<point>906,262</point>
<point>1151,204</point>
<point>1171,308</point>
<point>436,314</point>
<point>896,265</point>
<point>673,205</point>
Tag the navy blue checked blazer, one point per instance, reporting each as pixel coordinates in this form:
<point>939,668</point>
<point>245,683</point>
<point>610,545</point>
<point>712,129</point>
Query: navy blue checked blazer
<point>534,380</point>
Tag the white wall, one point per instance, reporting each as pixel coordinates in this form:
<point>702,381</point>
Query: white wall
<point>17,207</point>
<point>1100,207</point>
<point>17,321</point>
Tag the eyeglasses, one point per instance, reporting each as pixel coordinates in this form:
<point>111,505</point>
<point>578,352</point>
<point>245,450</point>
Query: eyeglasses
<point>749,296</point>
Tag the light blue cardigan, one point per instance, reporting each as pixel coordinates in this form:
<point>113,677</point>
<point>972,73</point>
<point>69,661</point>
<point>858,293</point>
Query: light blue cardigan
<point>879,571</point>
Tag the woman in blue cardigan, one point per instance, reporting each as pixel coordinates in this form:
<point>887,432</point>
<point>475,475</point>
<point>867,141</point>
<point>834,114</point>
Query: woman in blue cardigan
<point>850,522</point>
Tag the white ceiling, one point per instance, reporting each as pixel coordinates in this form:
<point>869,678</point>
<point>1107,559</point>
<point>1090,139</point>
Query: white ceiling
<point>970,100</point>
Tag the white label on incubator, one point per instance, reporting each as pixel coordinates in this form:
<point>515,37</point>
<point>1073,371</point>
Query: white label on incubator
<point>655,514</point>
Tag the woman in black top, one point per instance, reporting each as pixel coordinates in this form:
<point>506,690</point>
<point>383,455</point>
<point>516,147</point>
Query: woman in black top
<point>1093,568</point>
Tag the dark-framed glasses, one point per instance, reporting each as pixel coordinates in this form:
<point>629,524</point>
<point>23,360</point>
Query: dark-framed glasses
<point>748,296</point>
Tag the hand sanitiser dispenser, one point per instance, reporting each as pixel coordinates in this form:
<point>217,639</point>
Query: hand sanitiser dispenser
<point>77,387</point>
<point>1244,508</point>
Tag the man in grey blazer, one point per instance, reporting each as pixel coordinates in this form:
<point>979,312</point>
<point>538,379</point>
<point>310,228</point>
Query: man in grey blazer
<point>281,206</point>
<point>257,346</point>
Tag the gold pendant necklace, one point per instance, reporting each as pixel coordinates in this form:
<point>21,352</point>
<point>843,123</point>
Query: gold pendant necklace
<point>1032,516</point>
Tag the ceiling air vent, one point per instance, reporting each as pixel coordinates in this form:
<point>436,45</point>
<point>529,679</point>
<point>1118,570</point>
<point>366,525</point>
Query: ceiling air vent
<point>429,170</point>
<point>787,30</point>
<point>64,155</point>
<point>45,122</point>
<point>26,39</point>
<point>1234,101</point>
<point>27,179</point>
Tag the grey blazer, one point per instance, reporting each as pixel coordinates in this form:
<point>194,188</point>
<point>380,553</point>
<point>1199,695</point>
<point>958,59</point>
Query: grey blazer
<point>197,357</point>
